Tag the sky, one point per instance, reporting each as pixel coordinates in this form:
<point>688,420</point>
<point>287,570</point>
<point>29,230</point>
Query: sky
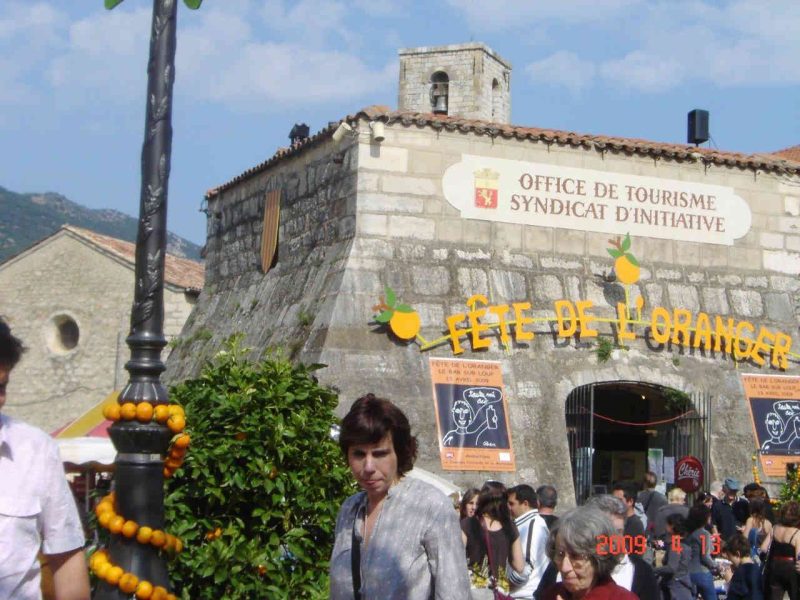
<point>73,79</point>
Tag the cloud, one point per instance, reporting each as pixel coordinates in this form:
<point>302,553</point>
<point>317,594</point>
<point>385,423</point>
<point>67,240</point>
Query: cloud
<point>500,15</point>
<point>661,46</point>
<point>563,68</point>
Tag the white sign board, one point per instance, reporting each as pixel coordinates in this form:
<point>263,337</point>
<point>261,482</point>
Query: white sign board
<point>545,195</point>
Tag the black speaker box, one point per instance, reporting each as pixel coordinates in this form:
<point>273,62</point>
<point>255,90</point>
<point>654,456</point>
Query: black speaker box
<point>698,127</point>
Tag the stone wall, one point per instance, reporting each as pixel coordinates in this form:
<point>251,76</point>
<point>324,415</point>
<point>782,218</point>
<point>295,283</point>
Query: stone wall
<point>471,68</point>
<point>401,232</point>
<point>65,276</point>
<point>289,307</point>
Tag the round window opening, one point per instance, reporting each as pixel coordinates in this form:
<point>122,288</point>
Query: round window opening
<point>64,334</point>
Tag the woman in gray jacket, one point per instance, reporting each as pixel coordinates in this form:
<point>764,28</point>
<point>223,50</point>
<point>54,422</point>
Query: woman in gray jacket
<point>675,581</point>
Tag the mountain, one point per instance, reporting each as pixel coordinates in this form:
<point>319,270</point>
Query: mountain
<point>28,218</point>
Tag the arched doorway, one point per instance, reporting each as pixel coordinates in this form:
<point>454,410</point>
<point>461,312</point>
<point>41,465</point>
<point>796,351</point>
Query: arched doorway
<point>616,429</point>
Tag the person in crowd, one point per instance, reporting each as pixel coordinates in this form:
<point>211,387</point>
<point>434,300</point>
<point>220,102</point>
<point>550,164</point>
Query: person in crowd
<point>721,512</point>
<point>398,539</point>
<point>548,499</point>
<point>493,521</point>
<point>757,527</point>
<point>700,543</point>
<point>469,502</point>
<point>37,510</point>
<point>633,523</point>
<point>533,532</point>
<point>632,572</point>
<point>755,491</point>
<point>744,579</point>
<point>780,575</point>
<point>573,547</point>
<point>651,499</point>
<point>676,583</point>
<point>676,505</point>
<point>739,505</point>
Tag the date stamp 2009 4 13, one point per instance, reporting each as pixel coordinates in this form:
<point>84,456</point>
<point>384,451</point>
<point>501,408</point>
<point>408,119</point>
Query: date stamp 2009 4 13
<point>637,544</point>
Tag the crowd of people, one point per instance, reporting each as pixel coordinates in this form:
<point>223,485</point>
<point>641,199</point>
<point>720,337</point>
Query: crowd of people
<point>401,538</point>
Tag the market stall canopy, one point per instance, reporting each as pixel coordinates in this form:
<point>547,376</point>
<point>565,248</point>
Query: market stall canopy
<point>84,443</point>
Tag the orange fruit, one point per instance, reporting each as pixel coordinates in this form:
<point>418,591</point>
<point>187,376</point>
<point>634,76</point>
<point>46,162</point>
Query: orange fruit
<point>167,473</point>
<point>103,507</point>
<point>129,529</point>
<point>105,518</point>
<point>176,423</point>
<point>173,464</point>
<point>111,411</point>
<point>158,539</point>
<point>128,583</point>
<point>161,413</point>
<point>102,569</point>
<point>177,453</point>
<point>178,545</point>
<point>114,574</point>
<point>240,436</point>
<point>144,534</point>
<point>183,441</point>
<point>144,412</point>
<point>159,593</point>
<point>405,325</point>
<point>127,411</point>
<point>116,523</point>
<point>176,409</point>
<point>169,545</point>
<point>217,532</point>
<point>172,597</point>
<point>144,590</point>
<point>626,271</point>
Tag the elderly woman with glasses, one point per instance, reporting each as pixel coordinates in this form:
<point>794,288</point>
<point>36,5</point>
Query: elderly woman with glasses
<point>576,547</point>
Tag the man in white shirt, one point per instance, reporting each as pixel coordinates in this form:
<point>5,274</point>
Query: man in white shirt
<point>37,510</point>
<point>533,534</point>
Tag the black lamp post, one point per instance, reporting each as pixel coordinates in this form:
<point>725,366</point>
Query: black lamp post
<point>141,447</point>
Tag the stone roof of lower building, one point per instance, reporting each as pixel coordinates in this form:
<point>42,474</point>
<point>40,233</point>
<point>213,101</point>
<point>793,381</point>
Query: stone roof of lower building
<point>784,161</point>
<point>179,272</point>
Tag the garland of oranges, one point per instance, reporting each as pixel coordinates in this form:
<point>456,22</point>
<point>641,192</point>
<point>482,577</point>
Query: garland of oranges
<point>173,417</point>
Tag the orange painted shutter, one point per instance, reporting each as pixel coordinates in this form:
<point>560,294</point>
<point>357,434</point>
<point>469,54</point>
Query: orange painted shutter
<point>269,235</point>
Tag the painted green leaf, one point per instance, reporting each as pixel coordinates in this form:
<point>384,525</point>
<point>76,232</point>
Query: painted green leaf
<point>631,259</point>
<point>626,243</point>
<point>385,316</point>
<point>391,298</point>
<point>112,3</point>
<point>404,308</point>
<point>614,252</point>
<point>193,4</point>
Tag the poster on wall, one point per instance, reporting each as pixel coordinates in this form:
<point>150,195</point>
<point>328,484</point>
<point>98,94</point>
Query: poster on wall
<point>774,402</point>
<point>471,415</point>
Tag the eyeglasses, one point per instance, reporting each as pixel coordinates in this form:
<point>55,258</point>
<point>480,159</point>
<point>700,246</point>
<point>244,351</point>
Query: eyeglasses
<point>578,561</point>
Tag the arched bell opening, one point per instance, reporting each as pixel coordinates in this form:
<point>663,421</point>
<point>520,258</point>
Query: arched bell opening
<point>618,430</point>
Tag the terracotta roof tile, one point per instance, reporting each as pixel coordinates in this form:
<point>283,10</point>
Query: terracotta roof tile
<point>782,161</point>
<point>181,272</point>
<point>791,153</point>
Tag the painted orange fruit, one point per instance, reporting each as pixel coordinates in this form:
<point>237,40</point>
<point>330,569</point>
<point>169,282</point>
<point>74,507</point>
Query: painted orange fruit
<point>129,528</point>
<point>161,413</point>
<point>176,423</point>
<point>128,583</point>
<point>144,534</point>
<point>128,411</point>
<point>114,574</point>
<point>116,523</point>
<point>158,539</point>
<point>626,271</point>
<point>144,412</point>
<point>626,266</point>
<point>405,325</point>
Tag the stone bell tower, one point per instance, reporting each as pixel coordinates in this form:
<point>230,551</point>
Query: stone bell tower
<point>464,80</point>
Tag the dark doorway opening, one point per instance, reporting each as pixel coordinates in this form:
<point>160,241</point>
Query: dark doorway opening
<point>621,429</point>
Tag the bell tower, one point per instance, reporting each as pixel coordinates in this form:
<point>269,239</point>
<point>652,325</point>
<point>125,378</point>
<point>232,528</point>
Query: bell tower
<point>464,80</point>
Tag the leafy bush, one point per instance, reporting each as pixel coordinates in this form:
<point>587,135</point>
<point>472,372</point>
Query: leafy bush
<point>255,502</point>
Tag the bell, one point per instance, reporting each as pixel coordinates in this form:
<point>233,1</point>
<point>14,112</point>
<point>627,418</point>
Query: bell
<point>440,108</point>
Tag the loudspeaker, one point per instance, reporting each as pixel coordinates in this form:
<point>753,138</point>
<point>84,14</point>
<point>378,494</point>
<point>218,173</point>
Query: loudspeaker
<point>698,127</point>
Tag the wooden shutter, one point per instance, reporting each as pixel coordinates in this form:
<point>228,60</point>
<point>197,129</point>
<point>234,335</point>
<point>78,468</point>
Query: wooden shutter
<point>269,235</point>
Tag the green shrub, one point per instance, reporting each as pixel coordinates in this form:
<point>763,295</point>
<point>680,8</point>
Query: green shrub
<point>263,472</point>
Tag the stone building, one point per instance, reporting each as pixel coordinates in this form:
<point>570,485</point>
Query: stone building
<point>651,275</point>
<point>68,297</point>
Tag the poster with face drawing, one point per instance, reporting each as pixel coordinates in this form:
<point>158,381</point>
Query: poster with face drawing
<point>471,415</point>
<point>774,402</point>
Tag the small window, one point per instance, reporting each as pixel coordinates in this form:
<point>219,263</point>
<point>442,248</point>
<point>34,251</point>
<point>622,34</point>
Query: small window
<point>440,83</point>
<point>63,334</point>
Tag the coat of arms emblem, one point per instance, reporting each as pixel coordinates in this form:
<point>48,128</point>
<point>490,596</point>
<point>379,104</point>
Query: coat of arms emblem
<point>486,183</point>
